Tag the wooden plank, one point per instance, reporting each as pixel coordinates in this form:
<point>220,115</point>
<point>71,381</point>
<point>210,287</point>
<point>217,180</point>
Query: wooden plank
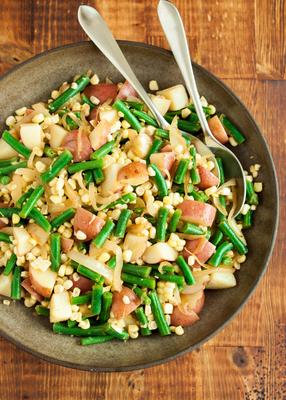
<point>270,25</point>
<point>15,42</point>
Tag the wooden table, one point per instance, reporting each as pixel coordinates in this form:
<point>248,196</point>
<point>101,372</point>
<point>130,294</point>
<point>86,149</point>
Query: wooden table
<point>244,43</point>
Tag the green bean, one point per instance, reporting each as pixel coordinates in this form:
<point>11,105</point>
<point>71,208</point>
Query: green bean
<point>169,269</point>
<point>192,229</point>
<point>125,199</point>
<point>40,219</point>
<point>55,245</point>
<point>8,212</point>
<point>158,313</point>
<point>88,177</point>
<point>71,323</point>
<point>195,176</point>
<point>106,307</point>
<point>103,150</point>
<point>6,163</point>
<point>121,226</point>
<point>85,165</point>
<point>71,124</point>
<point>232,130</point>
<point>141,115</point>
<point>60,219</point>
<point>247,219</point>
<point>142,295</point>
<point>62,329</point>
<point>16,284</point>
<point>5,179</point>
<point>216,258</point>
<point>161,133</point>
<point>149,283</point>
<point>31,201</point>
<point>186,270</point>
<point>16,145</point>
<point>172,227</point>
<point>10,265</point>
<point>226,260</point>
<point>143,321</point>
<point>42,311</point>
<point>86,100</point>
<point>193,153</point>
<point>156,146</point>
<point>82,247</point>
<point>82,299</point>
<point>23,198</point>
<point>94,276</point>
<point>134,104</point>
<point>217,238</point>
<point>112,262</point>
<point>104,234</point>
<point>199,196</point>
<point>236,241</point>
<point>133,121</point>
<point>95,340</point>
<point>4,237</point>
<point>184,125</point>
<point>116,334</point>
<point>96,296</point>
<point>220,216</point>
<point>161,225</point>
<point>98,175</point>
<point>49,152</point>
<point>178,279</point>
<point>13,167</point>
<point>81,83</point>
<point>138,270</point>
<point>181,171</point>
<point>160,182</point>
<point>251,196</point>
<point>60,162</point>
<point>207,110</point>
<point>221,170</point>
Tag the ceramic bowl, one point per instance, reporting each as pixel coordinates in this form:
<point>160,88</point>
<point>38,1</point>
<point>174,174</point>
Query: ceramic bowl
<point>33,81</point>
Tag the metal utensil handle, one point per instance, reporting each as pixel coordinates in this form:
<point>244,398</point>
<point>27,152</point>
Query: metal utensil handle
<point>96,28</point>
<point>175,33</point>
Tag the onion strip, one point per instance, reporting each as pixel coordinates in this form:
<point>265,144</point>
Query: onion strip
<point>117,282</point>
<point>91,264</point>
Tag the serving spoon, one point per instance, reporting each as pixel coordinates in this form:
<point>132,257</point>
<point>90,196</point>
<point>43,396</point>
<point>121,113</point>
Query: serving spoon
<point>97,30</point>
<point>174,30</point>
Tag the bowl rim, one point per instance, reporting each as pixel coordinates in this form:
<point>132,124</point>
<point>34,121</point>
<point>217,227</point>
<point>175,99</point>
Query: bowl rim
<point>190,348</point>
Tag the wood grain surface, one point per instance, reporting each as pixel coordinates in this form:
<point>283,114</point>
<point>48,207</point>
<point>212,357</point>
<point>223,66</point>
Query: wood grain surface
<point>244,43</point>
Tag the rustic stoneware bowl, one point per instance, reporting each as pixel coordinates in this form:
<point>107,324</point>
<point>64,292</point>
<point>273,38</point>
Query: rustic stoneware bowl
<point>33,81</point>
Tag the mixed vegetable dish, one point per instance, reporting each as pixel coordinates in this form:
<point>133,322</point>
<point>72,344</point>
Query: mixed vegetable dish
<point>110,226</point>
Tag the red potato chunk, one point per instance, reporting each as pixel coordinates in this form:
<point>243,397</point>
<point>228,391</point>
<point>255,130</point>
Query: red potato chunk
<point>166,149</point>
<point>78,144</point>
<point>126,91</point>
<point>124,303</point>
<point>66,244</point>
<point>134,173</point>
<point>87,223</point>
<point>26,284</point>
<point>83,283</point>
<point>201,248</point>
<point>208,179</point>
<point>102,91</point>
<point>164,161</point>
<point>186,313</point>
<point>98,137</point>
<point>217,129</point>
<point>197,212</point>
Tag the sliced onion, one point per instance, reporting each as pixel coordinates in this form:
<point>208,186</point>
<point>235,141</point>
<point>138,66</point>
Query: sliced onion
<point>92,192</point>
<point>218,206</point>
<point>40,108</point>
<point>72,195</point>
<point>201,281</point>
<point>16,193</point>
<point>117,282</point>
<point>176,137</point>
<point>27,118</point>
<point>91,264</point>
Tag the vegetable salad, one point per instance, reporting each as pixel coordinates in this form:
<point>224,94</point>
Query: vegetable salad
<point>110,226</point>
